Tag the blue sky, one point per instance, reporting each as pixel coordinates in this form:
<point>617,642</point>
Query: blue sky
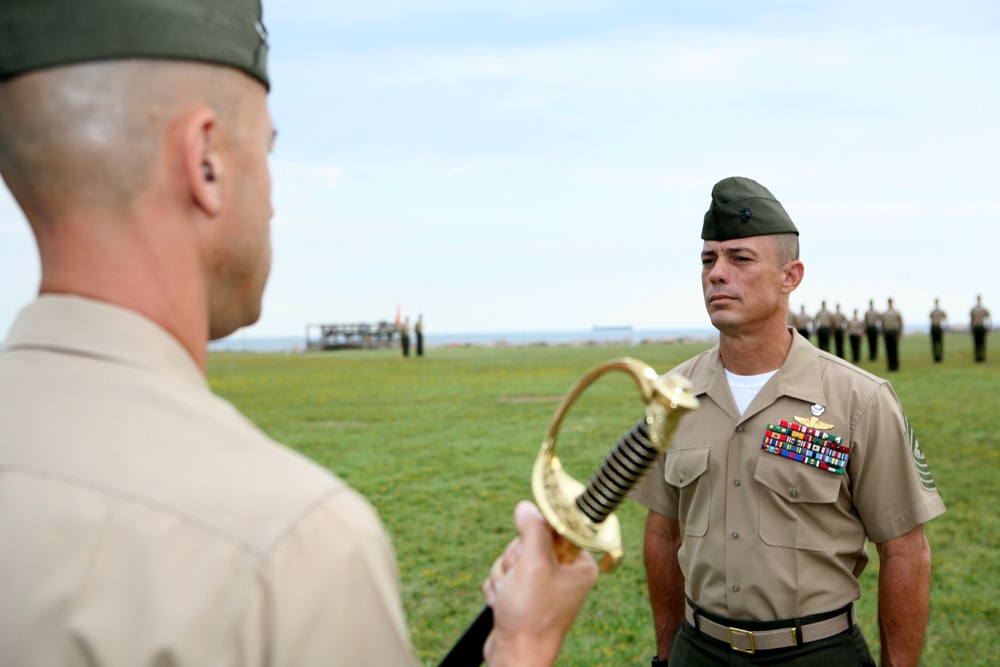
<point>545,165</point>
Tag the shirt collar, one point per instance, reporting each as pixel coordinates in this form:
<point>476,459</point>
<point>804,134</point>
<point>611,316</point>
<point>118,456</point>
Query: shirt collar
<point>798,377</point>
<point>82,326</point>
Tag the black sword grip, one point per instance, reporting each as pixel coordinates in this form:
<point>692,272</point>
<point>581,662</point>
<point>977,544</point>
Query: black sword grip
<point>621,470</point>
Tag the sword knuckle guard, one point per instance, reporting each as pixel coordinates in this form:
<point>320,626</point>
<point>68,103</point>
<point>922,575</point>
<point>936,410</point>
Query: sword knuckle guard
<point>583,516</point>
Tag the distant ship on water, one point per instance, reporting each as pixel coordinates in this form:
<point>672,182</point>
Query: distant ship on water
<point>623,327</point>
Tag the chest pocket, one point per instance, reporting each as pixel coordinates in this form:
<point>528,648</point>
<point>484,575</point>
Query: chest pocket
<point>796,503</point>
<point>687,469</point>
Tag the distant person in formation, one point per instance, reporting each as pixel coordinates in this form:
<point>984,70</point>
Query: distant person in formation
<point>981,323</point>
<point>404,336</point>
<point>824,324</point>
<point>803,323</point>
<point>418,329</point>
<point>892,329</point>
<point>855,329</point>
<point>939,322</point>
<point>839,325</point>
<point>873,322</point>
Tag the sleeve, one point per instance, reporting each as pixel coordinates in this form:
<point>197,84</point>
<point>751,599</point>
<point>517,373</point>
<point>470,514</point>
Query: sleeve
<point>892,485</point>
<point>330,594</point>
<point>654,493</point>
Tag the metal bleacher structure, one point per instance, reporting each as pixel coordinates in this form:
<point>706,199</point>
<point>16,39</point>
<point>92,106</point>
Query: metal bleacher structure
<point>361,336</point>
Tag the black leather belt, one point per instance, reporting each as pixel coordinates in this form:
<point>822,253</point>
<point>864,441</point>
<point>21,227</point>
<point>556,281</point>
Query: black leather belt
<point>751,641</point>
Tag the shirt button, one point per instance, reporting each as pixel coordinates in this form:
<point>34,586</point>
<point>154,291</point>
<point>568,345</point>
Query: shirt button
<point>736,534</point>
<point>736,588</point>
<point>794,493</point>
<point>737,482</point>
<point>739,430</point>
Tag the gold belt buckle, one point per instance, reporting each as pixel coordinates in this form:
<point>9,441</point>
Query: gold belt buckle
<point>737,632</point>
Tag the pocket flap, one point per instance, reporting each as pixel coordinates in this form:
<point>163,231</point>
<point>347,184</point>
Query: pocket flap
<point>683,466</point>
<point>797,482</point>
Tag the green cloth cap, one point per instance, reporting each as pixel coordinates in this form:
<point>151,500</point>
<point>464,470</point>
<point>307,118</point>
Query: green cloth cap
<point>742,207</point>
<point>35,34</point>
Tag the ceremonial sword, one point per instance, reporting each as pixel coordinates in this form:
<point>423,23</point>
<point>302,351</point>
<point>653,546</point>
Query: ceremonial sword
<point>583,516</point>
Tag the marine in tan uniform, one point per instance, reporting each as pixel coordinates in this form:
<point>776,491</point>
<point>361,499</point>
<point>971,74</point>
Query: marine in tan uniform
<point>855,329</point>
<point>980,323</point>
<point>753,546</point>
<point>418,329</point>
<point>144,521</point>
<point>892,331</point>
<point>939,322</point>
<point>404,337</point>
<point>803,323</point>
<point>873,323</point>
<point>839,328</point>
<point>824,327</point>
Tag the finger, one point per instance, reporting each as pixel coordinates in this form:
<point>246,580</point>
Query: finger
<point>536,534</point>
<point>493,580</point>
<point>511,554</point>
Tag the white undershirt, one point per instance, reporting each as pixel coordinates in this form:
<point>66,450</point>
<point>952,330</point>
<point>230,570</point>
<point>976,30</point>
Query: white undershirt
<point>745,387</point>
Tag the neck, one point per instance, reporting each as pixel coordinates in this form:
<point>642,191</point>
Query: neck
<point>135,266</point>
<point>759,352</point>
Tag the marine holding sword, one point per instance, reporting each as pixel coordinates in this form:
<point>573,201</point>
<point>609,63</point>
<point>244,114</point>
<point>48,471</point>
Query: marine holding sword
<point>759,512</point>
<point>143,520</point>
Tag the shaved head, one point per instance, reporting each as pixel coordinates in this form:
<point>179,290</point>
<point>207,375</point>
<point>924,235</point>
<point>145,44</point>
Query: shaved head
<point>786,248</point>
<point>146,184</point>
<point>91,134</point>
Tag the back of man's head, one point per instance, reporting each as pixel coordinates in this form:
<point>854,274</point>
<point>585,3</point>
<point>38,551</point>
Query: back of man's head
<point>126,127</point>
<point>86,89</point>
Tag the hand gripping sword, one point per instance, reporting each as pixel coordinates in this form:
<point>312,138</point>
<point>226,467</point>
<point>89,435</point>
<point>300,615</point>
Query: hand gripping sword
<point>583,516</point>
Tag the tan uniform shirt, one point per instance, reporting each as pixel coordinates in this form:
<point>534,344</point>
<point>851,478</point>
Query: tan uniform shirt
<point>144,521</point>
<point>766,537</point>
<point>978,316</point>
<point>892,322</point>
<point>855,327</point>
<point>824,318</point>
<point>872,318</point>
<point>938,317</point>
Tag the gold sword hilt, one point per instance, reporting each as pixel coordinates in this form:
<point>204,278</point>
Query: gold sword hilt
<point>583,516</point>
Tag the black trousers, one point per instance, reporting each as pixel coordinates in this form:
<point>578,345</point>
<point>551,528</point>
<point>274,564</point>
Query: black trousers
<point>823,336</point>
<point>838,342</point>
<point>690,648</point>
<point>855,348</point>
<point>892,349</point>
<point>404,341</point>
<point>872,333</point>
<point>979,337</point>
<point>937,343</point>
<point>420,344</point>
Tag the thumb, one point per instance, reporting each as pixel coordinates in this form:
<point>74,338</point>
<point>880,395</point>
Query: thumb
<point>536,533</point>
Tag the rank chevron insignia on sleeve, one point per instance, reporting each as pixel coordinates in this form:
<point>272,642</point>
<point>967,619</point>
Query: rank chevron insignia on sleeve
<point>923,470</point>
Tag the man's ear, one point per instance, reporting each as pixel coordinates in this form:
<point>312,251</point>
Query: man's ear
<point>202,161</point>
<point>794,272</point>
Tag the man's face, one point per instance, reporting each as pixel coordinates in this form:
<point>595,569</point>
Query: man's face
<point>741,282</point>
<point>245,260</point>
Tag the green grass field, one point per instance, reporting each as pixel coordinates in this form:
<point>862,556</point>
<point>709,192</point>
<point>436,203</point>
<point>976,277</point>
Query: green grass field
<point>443,447</point>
